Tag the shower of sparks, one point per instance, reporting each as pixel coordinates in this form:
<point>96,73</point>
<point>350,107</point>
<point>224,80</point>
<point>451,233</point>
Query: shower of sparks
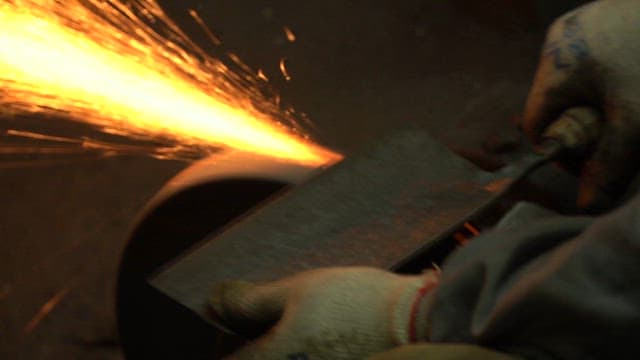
<point>129,69</point>
<point>291,37</point>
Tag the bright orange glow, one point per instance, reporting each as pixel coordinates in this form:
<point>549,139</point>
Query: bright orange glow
<point>262,76</point>
<point>291,37</point>
<point>130,69</point>
<point>283,69</point>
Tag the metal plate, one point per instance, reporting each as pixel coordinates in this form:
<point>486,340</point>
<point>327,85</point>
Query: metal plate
<point>374,209</point>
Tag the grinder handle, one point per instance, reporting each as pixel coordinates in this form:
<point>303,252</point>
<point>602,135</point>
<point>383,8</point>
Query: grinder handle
<point>575,130</point>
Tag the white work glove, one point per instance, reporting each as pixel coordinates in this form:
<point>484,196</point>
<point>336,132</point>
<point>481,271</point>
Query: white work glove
<point>332,313</point>
<point>591,57</point>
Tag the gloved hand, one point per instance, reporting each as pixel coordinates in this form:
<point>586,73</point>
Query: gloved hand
<point>332,313</point>
<point>592,58</point>
<point>443,351</point>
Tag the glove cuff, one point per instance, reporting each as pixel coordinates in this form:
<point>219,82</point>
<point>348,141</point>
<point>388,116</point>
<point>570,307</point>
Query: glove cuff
<point>409,323</point>
<point>418,322</point>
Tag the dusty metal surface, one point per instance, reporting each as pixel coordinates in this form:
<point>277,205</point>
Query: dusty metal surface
<point>373,209</point>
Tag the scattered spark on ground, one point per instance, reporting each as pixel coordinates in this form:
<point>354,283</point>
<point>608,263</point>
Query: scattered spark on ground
<point>45,309</point>
<point>129,69</point>
<point>283,69</point>
<point>291,37</point>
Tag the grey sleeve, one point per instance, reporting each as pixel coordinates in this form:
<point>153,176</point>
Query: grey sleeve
<point>555,288</point>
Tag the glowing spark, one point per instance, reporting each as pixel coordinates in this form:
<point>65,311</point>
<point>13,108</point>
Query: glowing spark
<point>498,185</point>
<point>99,148</point>
<point>289,34</point>
<point>45,310</point>
<point>283,69</point>
<point>460,238</point>
<point>130,69</point>
<point>212,37</point>
<point>37,136</point>
<point>472,229</point>
<point>262,76</point>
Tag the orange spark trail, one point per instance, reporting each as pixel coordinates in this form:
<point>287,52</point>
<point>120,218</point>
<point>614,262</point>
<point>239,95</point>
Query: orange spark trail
<point>291,37</point>
<point>128,68</point>
<point>45,310</point>
<point>283,69</point>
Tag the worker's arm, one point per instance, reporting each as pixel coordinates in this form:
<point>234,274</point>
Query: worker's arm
<point>558,288</point>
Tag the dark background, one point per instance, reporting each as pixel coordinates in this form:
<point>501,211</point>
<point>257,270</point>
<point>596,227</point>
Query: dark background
<point>360,69</point>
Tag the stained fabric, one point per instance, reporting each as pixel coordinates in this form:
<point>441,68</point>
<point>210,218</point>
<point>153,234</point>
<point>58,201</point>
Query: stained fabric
<point>554,287</point>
